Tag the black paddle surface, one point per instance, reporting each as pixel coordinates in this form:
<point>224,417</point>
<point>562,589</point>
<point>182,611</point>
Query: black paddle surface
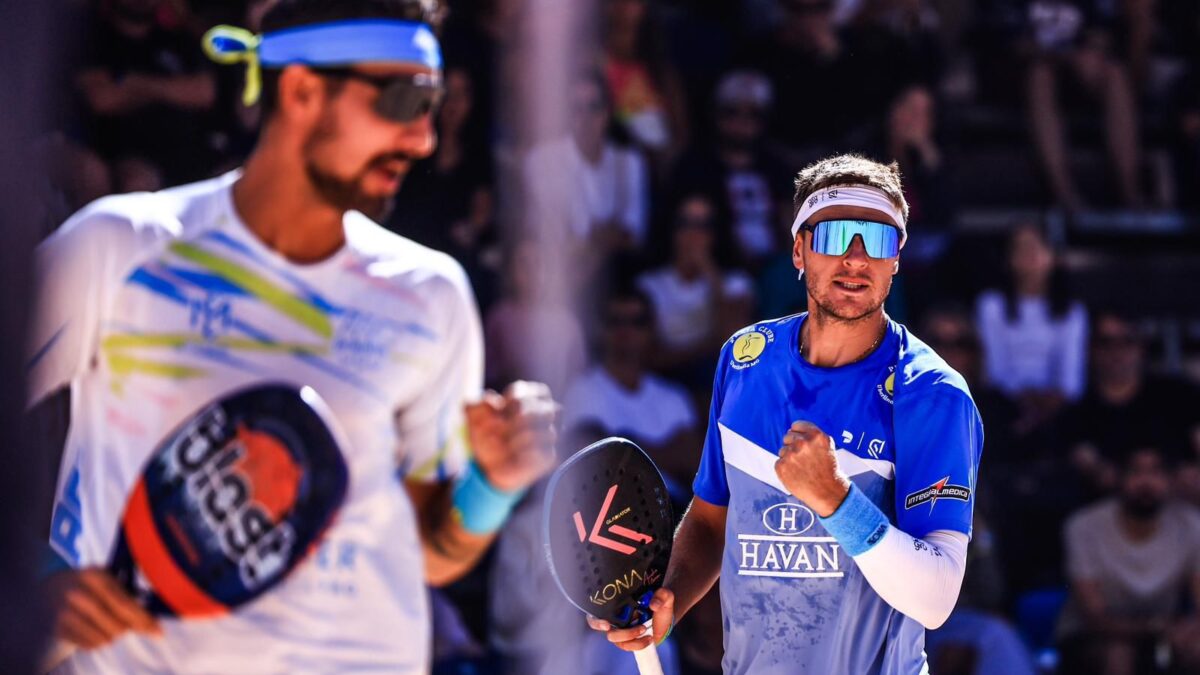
<point>607,529</point>
<point>230,501</point>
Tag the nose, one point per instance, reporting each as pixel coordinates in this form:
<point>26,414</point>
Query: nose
<point>418,138</point>
<point>856,254</point>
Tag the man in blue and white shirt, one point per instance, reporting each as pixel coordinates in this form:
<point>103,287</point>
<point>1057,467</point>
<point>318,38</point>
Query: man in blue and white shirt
<point>835,493</point>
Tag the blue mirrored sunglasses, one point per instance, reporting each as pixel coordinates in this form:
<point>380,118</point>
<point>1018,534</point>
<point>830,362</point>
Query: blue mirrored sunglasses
<point>833,237</point>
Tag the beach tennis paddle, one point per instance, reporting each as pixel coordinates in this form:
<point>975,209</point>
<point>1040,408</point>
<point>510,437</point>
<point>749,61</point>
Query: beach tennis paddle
<point>607,529</point>
<point>229,502</point>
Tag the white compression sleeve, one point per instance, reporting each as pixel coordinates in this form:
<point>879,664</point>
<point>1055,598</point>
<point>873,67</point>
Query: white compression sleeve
<point>919,577</point>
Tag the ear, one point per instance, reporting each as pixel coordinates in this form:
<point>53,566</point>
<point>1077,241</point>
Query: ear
<point>302,93</point>
<point>797,251</point>
<point>896,267</point>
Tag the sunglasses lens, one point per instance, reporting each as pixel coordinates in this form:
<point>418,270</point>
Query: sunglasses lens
<point>405,101</point>
<point>833,237</point>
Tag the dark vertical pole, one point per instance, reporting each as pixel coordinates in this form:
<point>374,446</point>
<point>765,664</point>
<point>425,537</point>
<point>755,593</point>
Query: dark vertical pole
<point>29,48</point>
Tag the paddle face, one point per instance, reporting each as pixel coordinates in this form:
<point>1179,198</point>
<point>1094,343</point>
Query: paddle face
<point>230,501</point>
<point>607,529</point>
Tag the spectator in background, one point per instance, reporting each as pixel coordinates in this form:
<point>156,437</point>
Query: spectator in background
<point>811,65</point>
<point>805,54</point>
<point>531,625</point>
<point>594,188</point>
<point>648,98</point>
<point>750,189</point>
<point>528,331</point>
<point>620,397</point>
<point>1034,336</point>
<point>447,201</point>
<point>977,638</point>
<point>1134,564</point>
<point>911,141</point>
<point>1124,406</point>
<point>1075,39</point>
<point>147,91</point>
<point>1028,490</point>
<point>696,303</point>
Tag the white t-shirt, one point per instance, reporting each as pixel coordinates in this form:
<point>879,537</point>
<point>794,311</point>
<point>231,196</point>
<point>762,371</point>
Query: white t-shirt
<point>1037,351</point>
<point>563,187</point>
<point>153,304</point>
<point>683,310</point>
<point>1140,580</point>
<point>654,413</point>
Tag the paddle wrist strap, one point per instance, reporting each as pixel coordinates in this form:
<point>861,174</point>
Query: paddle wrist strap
<point>478,505</point>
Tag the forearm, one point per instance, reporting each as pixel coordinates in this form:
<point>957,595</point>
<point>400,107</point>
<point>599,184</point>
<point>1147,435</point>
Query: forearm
<point>450,550</point>
<point>920,578</point>
<point>695,559</point>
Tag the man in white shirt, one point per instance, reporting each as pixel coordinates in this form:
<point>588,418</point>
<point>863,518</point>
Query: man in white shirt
<point>697,304</point>
<point>153,304</point>
<point>620,397</point>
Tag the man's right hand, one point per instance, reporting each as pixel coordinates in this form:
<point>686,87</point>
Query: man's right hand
<point>93,610</point>
<point>636,638</point>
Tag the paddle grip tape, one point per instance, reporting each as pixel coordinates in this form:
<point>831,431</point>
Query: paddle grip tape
<point>479,506</point>
<point>857,524</point>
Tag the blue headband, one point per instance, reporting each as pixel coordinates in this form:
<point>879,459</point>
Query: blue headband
<point>336,43</point>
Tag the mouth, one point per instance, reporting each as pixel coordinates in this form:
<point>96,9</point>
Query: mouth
<point>391,172</point>
<point>850,286</point>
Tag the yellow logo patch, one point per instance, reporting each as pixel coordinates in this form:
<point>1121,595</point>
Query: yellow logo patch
<point>749,346</point>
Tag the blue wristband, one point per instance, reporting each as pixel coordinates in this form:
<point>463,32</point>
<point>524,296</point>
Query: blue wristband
<point>479,506</point>
<point>857,524</point>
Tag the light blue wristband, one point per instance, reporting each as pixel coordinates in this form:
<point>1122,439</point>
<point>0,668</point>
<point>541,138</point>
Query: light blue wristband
<point>479,506</point>
<point>857,524</point>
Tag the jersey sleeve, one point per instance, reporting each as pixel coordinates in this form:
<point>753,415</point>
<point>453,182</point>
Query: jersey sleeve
<point>75,271</point>
<point>711,483</point>
<point>432,429</point>
<point>938,447</point>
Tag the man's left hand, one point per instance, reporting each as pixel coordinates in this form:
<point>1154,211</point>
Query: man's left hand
<point>513,435</point>
<point>808,468</point>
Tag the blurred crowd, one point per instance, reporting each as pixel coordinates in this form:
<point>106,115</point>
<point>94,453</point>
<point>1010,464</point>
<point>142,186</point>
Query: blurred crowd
<point>1050,151</point>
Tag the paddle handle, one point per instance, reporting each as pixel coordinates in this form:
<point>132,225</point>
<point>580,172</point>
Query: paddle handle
<point>647,661</point>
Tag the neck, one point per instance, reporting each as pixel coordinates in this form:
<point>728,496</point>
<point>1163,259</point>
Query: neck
<point>626,373</point>
<point>1031,288</point>
<point>622,42</point>
<point>686,270</point>
<point>1137,529</point>
<point>592,149</point>
<point>830,343</point>
<point>1118,391</point>
<point>280,205</point>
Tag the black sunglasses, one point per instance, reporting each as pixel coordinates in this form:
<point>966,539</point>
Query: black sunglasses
<point>402,98</point>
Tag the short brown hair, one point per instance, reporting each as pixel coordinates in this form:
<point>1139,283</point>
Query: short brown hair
<point>850,169</point>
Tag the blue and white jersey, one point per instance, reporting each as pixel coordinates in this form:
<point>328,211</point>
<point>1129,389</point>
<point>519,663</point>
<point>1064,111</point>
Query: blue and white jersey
<point>907,433</point>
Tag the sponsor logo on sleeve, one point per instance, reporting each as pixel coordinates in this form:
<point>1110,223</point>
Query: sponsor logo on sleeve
<point>939,490</point>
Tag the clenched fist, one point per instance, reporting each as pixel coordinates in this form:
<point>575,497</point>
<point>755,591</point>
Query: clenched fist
<point>513,435</point>
<point>808,468</point>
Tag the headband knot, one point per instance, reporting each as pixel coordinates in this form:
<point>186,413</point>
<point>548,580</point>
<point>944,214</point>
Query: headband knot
<point>229,45</point>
